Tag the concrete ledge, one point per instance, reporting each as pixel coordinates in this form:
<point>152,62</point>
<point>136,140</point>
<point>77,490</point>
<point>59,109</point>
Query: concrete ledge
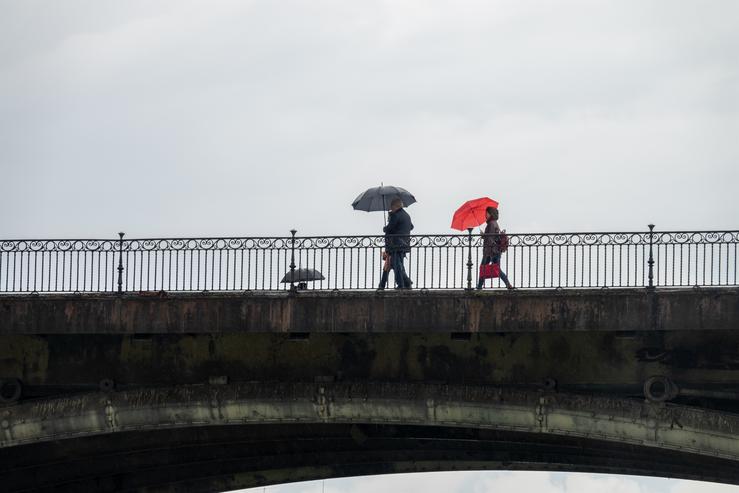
<point>367,312</point>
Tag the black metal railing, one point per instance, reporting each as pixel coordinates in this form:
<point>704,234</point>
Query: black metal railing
<point>541,260</point>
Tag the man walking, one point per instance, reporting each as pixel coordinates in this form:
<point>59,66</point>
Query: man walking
<point>398,243</point>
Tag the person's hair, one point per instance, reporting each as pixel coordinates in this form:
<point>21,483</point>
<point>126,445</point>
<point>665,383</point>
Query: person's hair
<point>396,202</point>
<point>493,212</point>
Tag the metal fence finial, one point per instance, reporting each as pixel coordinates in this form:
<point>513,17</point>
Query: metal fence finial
<point>651,256</point>
<point>120,262</point>
<point>292,260</point>
<point>469,259</point>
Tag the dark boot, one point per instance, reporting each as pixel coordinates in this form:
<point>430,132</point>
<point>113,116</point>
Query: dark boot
<point>399,282</point>
<point>407,281</point>
<point>383,280</point>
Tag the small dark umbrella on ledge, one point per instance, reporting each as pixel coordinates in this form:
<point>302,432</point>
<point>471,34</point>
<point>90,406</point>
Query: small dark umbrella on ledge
<point>302,277</point>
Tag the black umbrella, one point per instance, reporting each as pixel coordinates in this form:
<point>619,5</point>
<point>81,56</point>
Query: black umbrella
<point>303,275</point>
<point>379,198</point>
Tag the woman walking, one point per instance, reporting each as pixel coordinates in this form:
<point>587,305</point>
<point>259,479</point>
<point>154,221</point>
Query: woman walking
<point>491,250</point>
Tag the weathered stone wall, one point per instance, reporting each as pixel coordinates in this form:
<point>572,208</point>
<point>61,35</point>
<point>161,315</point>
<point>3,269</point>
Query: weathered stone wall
<point>436,311</point>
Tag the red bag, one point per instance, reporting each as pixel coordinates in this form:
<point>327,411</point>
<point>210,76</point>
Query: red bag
<point>489,271</point>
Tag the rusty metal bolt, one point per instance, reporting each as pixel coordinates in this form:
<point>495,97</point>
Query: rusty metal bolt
<point>659,388</point>
<point>549,384</point>
<point>106,385</point>
<point>10,390</point>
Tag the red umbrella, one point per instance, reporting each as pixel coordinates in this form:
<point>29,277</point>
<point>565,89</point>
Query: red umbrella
<point>472,213</point>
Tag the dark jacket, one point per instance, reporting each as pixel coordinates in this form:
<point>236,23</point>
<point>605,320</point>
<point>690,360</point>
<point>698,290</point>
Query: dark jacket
<point>491,239</point>
<point>398,231</point>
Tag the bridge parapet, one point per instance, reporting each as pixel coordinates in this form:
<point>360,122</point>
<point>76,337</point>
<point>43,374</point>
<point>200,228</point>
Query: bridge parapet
<point>616,310</point>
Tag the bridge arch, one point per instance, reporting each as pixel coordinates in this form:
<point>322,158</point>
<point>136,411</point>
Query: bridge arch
<point>218,437</point>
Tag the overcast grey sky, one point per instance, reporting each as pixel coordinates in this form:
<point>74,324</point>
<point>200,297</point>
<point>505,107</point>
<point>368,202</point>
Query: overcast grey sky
<point>170,118</point>
<point>499,482</point>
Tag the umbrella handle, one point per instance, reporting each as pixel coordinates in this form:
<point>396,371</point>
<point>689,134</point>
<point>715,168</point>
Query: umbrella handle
<point>384,206</point>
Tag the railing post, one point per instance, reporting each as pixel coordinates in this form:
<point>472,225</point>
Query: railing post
<point>651,256</point>
<point>469,259</point>
<point>292,260</point>
<point>120,262</point>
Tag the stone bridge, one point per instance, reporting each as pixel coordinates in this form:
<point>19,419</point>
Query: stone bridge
<point>159,391</point>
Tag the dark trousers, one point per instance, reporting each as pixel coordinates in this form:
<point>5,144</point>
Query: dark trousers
<point>495,259</point>
<point>396,265</point>
<point>396,262</point>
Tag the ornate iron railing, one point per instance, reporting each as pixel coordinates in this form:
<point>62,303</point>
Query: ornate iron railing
<point>541,260</point>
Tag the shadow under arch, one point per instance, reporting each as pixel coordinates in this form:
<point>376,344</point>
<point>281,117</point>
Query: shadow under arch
<point>221,437</point>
